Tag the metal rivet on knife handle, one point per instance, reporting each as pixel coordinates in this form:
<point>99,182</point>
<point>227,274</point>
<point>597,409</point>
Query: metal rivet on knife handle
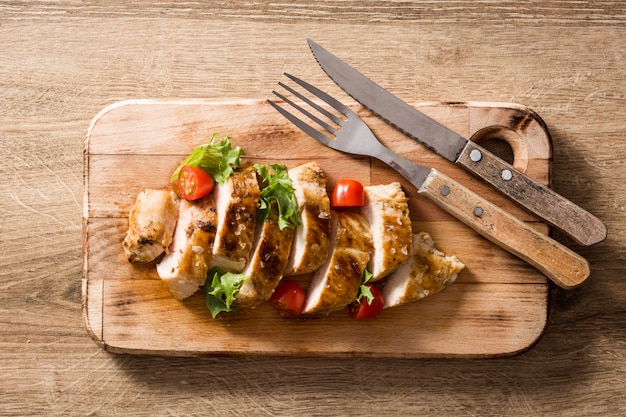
<point>506,175</point>
<point>444,190</point>
<point>478,211</point>
<point>475,155</point>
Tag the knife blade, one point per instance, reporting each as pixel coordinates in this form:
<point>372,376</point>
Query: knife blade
<point>561,213</point>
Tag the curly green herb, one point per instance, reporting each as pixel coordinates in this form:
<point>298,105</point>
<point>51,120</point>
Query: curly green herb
<point>220,294</point>
<point>277,187</point>
<point>364,290</point>
<point>218,159</point>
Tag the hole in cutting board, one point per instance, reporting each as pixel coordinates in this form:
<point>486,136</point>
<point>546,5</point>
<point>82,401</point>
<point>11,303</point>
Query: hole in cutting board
<point>499,147</point>
<point>505,143</point>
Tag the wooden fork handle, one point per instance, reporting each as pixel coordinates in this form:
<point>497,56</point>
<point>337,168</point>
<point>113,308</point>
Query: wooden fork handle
<point>562,265</point>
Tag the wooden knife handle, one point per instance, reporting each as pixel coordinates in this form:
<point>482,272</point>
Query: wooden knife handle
<point>563,266</point>
<point>555,209</point>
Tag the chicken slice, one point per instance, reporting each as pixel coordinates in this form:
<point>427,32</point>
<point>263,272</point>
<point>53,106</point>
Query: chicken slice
<point>269,257</point>
<point>237,201</point>
<point>151,225</point>
<point>311,240</point>
<point>184,269</point>
<point>426,273</point>
<point>387,211</point>
<point>337,282</point>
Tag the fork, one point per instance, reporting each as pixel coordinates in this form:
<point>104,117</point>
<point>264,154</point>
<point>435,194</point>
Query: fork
<point>348,133</point>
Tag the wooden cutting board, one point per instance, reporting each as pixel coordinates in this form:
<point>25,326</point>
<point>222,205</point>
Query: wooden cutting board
<point>497,307</point>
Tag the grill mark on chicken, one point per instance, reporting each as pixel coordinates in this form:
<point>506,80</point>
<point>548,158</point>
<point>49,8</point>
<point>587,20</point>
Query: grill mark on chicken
<point>312,237</point>
<point>337,282</point>
<point>387,211</point>
<point>237,203</point>
<point>267,263</point>
<point>151,224</point>
<point>185,268</point>
<point>206,226</point>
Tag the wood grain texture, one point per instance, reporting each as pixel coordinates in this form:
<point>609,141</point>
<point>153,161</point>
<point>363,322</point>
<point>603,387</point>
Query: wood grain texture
<point>63,61</point>
<point>138,315</point>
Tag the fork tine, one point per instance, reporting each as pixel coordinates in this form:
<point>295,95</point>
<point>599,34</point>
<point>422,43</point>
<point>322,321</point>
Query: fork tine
<point>315,134</point>
<point>308,114</point>
<point>311,103</point>
<point>334,103</point>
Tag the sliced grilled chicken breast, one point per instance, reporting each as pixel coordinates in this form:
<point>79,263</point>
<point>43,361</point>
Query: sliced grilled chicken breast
<point>184,269</point>
<point>151,225</point>
<point>337,282</point>
<point>266,265</point>
<point>426,273</point>
<point>311,240</point>
<point>237,201</point>
<point>387,211</point>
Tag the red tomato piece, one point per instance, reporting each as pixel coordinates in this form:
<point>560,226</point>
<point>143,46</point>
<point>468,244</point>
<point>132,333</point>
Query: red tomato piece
<point>363,310</point>
<point>194,183</point>
<point>348,193</point>
<point>288,299</point>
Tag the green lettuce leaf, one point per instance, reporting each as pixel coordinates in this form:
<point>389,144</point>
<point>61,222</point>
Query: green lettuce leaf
<point>364,290</point>
<point>221,293</point>
<point>277,191</point>
<point>218,159</point>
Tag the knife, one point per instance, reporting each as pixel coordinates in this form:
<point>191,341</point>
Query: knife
<point>555,209</point>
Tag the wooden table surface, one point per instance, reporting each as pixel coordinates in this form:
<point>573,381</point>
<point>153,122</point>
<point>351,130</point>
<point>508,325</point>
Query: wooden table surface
<point>61,62</point>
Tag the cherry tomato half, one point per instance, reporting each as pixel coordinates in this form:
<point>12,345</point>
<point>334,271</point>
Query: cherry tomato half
<point>363,310</point>
<point>194,183</point>
<point>288,299</point>
<point>348,193</point>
